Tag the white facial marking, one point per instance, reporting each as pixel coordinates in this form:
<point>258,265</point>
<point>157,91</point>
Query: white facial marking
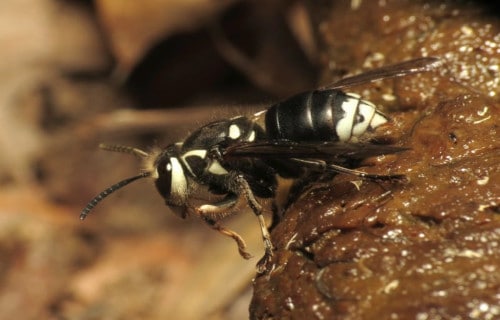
<point>234,132</point>
<point>168,167</point>
<point>216,168</point>
<point>178,185</point>
<point>366,110</point>
<point>251,137</point>
<point>344,125</point>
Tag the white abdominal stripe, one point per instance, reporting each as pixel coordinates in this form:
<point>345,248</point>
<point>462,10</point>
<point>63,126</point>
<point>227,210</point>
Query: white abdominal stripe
<point>355,108</point>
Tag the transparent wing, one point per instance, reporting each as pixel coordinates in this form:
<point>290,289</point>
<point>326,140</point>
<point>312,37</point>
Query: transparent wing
<point>328,151</point>
<point>392,71</point>
<point>318,156</point>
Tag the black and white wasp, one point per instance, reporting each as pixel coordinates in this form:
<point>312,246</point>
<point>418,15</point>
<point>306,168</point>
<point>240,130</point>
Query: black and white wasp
<point>240,159</point>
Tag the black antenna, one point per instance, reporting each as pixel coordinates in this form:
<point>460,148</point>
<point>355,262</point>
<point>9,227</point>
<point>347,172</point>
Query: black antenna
<point>109,191</point>
<point>124,149</point>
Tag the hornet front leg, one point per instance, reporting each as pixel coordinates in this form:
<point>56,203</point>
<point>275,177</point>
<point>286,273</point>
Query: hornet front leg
<point>241,194</point>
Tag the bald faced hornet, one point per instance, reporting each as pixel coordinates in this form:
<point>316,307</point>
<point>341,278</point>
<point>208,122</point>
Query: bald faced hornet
<point>240,159</point>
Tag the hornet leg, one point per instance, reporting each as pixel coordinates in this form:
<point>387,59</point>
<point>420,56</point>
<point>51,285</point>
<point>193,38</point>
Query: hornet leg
<point>257,210</point>
<point>241,194</point>
<point>211,213</point>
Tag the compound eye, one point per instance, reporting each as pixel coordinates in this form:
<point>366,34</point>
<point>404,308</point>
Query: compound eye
<point>171,181</point>
<point>164,180</point>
